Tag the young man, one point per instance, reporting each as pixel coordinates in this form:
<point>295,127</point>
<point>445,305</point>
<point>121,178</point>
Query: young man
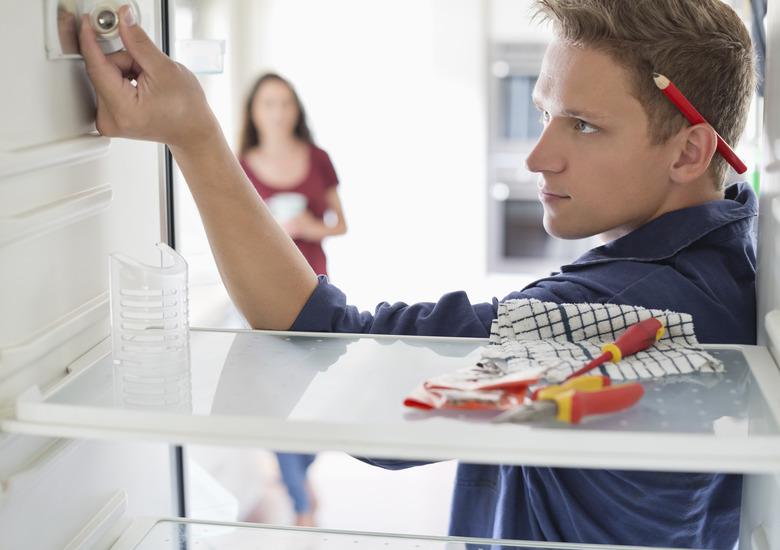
<point>615,159</point>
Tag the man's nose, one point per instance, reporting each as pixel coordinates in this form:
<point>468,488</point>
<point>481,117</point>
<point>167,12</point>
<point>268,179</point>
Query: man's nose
<point>546,156</point>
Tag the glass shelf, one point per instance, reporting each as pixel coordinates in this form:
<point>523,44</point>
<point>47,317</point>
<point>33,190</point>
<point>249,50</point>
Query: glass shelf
<point>312,392</point>
<point>176,534</point>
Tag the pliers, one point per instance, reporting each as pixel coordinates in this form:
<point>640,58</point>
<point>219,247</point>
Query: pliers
<point>575,399</point>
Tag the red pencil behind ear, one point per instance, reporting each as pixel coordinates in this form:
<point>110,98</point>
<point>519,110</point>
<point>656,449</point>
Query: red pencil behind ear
<point>694,117</point>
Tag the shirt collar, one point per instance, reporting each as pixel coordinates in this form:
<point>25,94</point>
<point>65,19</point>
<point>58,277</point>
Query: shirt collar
<point>667,235</point>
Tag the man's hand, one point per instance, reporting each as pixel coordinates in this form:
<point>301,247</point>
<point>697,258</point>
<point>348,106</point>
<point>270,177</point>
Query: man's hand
<point>142,93</point>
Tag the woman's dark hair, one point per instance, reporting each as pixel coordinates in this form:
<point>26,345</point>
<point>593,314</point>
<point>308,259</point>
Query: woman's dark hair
<point>250,136</point>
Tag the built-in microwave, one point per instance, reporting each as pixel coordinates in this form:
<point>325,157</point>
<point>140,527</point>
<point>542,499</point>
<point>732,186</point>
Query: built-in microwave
<point>517,241</point>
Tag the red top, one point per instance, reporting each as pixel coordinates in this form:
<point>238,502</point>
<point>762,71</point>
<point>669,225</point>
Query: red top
<point>320,177</point>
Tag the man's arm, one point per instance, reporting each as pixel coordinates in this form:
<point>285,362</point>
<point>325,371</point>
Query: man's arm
<point>265,274</point>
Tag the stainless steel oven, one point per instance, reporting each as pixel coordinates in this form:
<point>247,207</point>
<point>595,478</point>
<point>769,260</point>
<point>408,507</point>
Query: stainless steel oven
<point>517,241</point>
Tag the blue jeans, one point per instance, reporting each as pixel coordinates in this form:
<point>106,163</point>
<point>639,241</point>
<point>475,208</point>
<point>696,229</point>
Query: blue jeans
<point>293,468</point>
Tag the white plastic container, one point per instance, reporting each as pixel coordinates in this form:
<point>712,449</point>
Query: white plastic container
<point>150,332</point>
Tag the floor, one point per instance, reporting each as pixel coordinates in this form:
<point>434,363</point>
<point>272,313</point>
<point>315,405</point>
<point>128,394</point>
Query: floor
<point>244,484</point>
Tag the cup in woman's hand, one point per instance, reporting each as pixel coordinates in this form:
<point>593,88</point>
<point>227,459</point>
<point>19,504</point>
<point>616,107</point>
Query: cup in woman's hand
<point>286,206</point>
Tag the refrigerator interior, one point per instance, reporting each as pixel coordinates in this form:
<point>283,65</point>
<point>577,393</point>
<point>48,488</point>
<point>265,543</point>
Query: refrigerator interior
<point>81,477</point>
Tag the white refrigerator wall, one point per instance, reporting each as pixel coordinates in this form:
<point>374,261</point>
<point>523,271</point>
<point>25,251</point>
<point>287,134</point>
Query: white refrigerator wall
<point>761,497</point>
<point>67,199</point>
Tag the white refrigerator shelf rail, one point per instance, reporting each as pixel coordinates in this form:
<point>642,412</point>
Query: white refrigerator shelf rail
<point>158,533</point>
<point>311,392</point>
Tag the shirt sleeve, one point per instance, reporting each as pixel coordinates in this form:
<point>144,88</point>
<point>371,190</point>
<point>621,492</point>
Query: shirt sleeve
<point>453,315</point>
<point>559,290</point>
<point>328,170</point>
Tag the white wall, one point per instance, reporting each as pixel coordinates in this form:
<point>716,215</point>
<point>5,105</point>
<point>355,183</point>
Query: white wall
<point>396,93</point>
<point>508,21</point>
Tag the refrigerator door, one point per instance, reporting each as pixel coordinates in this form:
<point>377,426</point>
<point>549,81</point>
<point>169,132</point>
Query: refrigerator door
<point>68,198</point>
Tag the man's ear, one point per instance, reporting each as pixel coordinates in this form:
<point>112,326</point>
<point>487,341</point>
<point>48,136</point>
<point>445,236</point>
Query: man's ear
<point>696,147</point>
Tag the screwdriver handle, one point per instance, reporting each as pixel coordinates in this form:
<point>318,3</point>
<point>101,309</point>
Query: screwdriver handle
<point>637,337</point>
<point>580,404</point>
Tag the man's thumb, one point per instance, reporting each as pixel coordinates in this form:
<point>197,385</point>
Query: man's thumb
<point>137,42</point>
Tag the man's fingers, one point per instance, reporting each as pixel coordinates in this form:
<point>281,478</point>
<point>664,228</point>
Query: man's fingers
<point>90,49</point>
<point>105,76</point>
<point>95,57</point>
<point>104,122</point>
<point>125,63</point>
<point>88,42</point>
<point>140,46</point>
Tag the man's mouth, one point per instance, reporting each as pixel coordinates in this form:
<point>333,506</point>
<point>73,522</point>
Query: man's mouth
<point>548,194</point>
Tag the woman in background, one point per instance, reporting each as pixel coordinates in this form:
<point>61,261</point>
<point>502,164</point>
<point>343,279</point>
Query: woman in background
<point>298,182</point>
<point>279,157</point>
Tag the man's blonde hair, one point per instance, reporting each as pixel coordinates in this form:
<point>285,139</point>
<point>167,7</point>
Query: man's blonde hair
<point>701,45</point>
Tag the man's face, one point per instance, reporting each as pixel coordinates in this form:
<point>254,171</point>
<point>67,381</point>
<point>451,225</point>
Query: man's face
<point>599,172</point>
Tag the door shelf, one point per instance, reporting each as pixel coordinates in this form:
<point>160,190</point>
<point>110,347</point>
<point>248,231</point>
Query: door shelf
<point>308,392</point>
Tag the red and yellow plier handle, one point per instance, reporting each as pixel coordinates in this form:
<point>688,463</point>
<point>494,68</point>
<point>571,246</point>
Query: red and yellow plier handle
<point>575,399</point>
<point>587,395</point>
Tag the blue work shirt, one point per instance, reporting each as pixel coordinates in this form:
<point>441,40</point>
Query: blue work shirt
<point>699,260</point>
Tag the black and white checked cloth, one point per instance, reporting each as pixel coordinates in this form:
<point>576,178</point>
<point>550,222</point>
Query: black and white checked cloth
<point>561,338</point>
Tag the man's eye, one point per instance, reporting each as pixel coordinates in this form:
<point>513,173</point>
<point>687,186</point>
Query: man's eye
<point>585,128</point>
<point>544,117</point>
